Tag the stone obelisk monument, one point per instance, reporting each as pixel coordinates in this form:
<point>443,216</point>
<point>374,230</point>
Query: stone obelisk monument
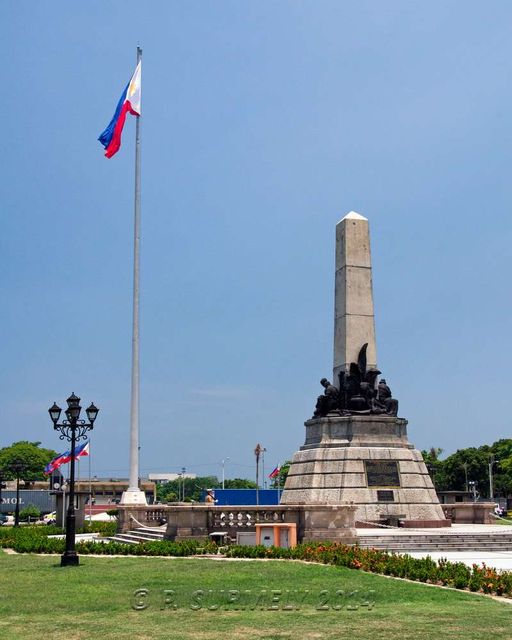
<point>356,448</point>
<point>354,324</point>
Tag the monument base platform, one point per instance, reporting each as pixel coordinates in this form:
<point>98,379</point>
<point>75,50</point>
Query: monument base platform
<point>132,497</point>
<point>366,461</point>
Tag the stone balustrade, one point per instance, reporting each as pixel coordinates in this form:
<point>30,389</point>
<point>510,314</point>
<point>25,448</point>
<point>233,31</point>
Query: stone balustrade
<point>133,516</point>
<point>198,521</point>
<point>469,512</point>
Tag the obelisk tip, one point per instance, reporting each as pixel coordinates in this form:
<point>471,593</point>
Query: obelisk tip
<point>353,215</point>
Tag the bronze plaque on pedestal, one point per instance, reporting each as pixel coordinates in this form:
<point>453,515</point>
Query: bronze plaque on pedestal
<point>382,473</point>
<point>385,495</point>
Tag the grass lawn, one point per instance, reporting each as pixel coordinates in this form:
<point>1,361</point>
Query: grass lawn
<point>39,599</point>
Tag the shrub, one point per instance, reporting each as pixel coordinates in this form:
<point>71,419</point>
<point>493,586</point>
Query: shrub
<point>34,539</point>
<point>30,511</point>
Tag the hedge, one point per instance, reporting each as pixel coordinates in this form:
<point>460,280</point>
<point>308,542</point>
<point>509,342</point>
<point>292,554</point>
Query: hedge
<point>36,540</point>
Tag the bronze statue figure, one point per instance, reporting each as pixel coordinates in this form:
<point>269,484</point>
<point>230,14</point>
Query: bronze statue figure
<point>329,401</point>
<point>358,392</point>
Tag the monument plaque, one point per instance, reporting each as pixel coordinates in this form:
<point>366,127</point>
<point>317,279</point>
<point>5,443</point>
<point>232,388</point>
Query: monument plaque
<point>382,473</point>
<point>385,496</point>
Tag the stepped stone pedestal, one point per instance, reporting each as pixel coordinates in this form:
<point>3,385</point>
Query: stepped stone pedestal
<point>366,461</point>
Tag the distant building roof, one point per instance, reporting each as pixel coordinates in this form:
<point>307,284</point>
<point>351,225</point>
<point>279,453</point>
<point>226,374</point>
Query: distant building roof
<point>170,477</point>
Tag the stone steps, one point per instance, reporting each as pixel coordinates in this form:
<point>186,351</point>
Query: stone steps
<point>441,542</point>
<point>136,536</point>
<point>438,548</point>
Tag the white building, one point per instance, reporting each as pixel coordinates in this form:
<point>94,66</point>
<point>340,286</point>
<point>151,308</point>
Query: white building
<point>163,478</point>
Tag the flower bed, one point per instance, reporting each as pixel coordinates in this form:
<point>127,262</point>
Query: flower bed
<point>450,574</point>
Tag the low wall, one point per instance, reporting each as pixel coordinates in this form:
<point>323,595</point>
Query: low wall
<point>197,521</point>
<point>469,512</point>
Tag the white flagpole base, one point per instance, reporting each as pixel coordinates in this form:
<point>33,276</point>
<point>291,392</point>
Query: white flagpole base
<point>134,498</point>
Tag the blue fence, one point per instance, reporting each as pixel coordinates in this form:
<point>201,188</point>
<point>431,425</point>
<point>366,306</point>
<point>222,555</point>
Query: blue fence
<point>232,497</point>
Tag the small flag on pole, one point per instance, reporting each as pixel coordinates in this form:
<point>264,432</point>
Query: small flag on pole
<point>82,450</point>
<point>64,458</point>
<point>275,472</point>
<point>128,103</point>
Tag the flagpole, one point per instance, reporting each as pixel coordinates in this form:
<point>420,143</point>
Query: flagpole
<point>134,495</point>
<point>90,484</point>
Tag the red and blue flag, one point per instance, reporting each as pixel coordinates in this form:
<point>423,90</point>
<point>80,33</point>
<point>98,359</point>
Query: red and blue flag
<point>274,473</point>
<point>128,103</point>
<point>64,458</point>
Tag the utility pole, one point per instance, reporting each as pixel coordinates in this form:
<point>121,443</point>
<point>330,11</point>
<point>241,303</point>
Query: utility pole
<point>179,487</point>
<point>491,487</point>
<point>465,465</point>
<point>257,453</point>
<point>224,471</point>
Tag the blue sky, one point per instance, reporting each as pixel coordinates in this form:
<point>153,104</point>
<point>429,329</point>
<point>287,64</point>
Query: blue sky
<point>263,124</point>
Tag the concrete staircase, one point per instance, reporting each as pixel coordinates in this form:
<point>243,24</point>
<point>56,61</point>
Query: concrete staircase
<point>143,534</point>
<point>403,543</point>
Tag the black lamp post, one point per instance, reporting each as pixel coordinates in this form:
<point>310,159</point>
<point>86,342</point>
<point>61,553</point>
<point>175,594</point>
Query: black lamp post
<point>17,467</point>
<point>73,429</point>
<point>2,486</point>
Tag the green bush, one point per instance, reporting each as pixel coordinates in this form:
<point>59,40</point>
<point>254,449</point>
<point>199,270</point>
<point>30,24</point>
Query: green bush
<point>28,537</point>
<point>30,512</point>
<point>34,539</point>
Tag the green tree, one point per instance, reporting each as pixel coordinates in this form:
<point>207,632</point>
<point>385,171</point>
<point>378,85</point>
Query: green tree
<point>472,464</point>
<point>32,457</point>
<point>170,491</point>
<point>433,463</point>
<point>239,483</point>
<point>502,469</point>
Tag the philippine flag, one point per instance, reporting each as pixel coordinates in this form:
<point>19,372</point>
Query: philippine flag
<point>64,458</point>
<point>82,450</point>
<point>128,103</point>
<point>275,472</point>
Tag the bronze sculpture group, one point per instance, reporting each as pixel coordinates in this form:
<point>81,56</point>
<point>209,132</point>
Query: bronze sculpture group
<point>358,393</point>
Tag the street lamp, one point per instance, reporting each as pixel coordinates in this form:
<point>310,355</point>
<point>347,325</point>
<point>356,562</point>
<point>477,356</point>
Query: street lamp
<point>73,430</point>
<point>263,449</point>
<point>465,465</point>
<point>17,467</point>
<point>183,470</point>
<point>2,486</point>
<point>223,470</point>
<point>492,461</point>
